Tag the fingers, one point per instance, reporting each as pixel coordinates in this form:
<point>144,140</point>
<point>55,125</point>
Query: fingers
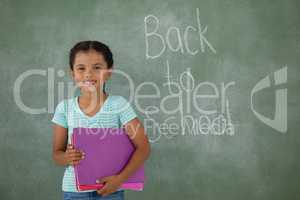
<point>72,151</point>
<point>108,187</point>
<point>103,191</point>
<point>103,180</point>
<point>74,156</point>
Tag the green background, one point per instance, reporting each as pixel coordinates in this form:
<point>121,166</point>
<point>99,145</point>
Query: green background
<point>253,39</point>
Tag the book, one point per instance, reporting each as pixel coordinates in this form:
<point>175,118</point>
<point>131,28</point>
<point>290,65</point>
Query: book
<point>107,152</point>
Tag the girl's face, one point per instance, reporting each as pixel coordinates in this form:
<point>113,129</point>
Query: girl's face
<point>90,70</point>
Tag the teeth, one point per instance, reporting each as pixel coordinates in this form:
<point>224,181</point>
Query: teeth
<point>89,82</point>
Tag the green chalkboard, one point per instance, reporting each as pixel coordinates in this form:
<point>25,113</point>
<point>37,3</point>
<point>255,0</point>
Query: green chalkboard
<point>222,79</point>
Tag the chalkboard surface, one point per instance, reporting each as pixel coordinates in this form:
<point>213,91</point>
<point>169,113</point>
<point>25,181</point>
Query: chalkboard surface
<point>222,79</point>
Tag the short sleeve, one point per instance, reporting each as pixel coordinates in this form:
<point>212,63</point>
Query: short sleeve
<point>127,112</point>
<point>59,116</point>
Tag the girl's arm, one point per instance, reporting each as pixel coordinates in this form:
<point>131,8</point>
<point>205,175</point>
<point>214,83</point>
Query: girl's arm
<point>136,132</point>
<point>62,153</point>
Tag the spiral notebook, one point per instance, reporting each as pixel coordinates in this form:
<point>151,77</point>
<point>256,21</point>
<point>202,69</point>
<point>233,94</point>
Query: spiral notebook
<point>107,151</point>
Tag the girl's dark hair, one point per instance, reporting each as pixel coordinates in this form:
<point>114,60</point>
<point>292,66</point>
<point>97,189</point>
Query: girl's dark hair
<point>92,45</point>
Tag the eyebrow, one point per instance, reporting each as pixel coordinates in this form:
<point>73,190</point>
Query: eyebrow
<point>98,64</point>
<point>82,65</point>
<point>79,65</point>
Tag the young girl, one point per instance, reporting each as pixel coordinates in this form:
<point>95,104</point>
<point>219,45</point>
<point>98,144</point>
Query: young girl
<point>91,64</point>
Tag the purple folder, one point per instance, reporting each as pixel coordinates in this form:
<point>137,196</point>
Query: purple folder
<point>107,151</point>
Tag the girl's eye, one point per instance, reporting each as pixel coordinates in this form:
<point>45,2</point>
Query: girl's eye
<point>97,67</point>
<point>81,68</point>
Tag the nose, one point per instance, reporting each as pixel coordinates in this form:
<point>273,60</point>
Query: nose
<point>88,74</point>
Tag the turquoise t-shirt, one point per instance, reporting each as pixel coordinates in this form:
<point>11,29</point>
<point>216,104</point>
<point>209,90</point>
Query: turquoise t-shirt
<point>115,112</point>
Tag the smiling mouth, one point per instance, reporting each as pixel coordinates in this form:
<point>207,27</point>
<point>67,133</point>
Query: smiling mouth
<point>88,83</point>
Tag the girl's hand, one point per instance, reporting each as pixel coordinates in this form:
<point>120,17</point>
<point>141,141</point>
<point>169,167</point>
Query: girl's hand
<point>111,184</point>
<point>73,156</point>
